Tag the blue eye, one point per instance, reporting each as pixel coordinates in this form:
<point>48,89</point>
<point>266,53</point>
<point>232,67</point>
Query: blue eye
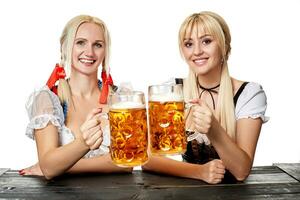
<point>80,42</point>
<point>98,45</point>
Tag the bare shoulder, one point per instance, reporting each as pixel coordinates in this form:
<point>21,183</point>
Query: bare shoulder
<point>236,84</point>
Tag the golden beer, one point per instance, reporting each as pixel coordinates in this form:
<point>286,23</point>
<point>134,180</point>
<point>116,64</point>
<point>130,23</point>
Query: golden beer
<point>128,129</point>
<point>167,127</point>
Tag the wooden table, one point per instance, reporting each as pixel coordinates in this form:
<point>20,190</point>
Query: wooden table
<point>280,181</point>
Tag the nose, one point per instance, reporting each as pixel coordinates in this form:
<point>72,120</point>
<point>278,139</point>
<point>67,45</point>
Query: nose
<point>89,50</point>
<point>197,49</point>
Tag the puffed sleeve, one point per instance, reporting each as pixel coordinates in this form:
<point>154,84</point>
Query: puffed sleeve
<point>43,107</point>
<point>252,103</point>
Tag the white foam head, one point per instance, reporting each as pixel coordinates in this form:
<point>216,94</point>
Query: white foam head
<point>166,97</point>
<point>165,92</point>
<point>127,105</point>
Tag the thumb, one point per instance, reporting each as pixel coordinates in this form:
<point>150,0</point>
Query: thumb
<point>195,101</point>
<point>198,102</point>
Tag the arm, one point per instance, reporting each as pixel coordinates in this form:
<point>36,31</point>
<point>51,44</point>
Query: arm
<point>54,159</point>
<point>101,164</point>
<point>237,156</point>
<point>211,172</point>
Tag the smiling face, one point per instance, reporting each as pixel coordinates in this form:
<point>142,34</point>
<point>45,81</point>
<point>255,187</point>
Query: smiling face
<point>201,51</point>
<point>88,49</point>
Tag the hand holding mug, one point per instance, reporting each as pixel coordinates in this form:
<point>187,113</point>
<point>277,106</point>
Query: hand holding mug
<point>202,116</point>
<point>91,129</point>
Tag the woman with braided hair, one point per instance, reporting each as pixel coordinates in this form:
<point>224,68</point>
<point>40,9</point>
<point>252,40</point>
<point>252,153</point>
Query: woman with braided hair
<point>224,120</point>
<point>66,120</point>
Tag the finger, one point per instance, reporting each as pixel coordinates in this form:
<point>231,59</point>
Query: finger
<point>94,112</point>
<point>97,134</point>
<point>199,128</point>
<point>202,121</point>
<point>199,115</point>
<point>97,143</point>
<point>199,122</point>
<point>90,124</point>
<point>93,137</point>
<point>195,101</point>
<point>218,180</point>
<point>220,163</point>
<point>100,116</point>
<point>94,144</point>
<point>90,132</point>
<point>220,171</point>
<point>219,176</point>
<point>203,110</point>
<point>23,172</point>
<point>221,166</point>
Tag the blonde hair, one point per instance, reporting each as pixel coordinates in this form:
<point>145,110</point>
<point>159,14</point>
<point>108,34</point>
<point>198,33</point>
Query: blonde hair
<point>66,43</point>
<point>215,25</point>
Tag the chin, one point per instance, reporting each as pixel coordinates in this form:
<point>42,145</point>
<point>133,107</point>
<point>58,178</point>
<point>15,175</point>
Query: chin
<point>86,71</point>
<point>200,71</point>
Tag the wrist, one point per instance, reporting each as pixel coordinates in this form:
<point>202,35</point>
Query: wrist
<point>214,130</point>
<point>196,170</point>
<point>82,143</point>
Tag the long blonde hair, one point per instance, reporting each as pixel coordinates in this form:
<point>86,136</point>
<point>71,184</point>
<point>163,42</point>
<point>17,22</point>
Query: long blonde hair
<point>66,43</point>
<point>215,25</point>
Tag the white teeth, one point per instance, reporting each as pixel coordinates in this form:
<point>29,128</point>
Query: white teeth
<point>200,61</point>
<point>86,61</point>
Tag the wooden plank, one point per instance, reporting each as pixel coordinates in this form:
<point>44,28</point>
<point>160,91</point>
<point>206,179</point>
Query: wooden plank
<point>240,191</point>
<point>3,170</point>
<point>260,175</point>
<point>140,185</point>
<point>268,174</point>
<point>293,169</point>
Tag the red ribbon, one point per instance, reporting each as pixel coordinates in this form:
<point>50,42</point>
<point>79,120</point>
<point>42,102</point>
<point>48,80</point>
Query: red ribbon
<point>106,81</point>
<point>57,73</point>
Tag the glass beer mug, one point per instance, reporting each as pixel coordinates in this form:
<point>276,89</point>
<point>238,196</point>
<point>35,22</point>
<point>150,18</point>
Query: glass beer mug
<point>166,120</point>
<point>128,129</point>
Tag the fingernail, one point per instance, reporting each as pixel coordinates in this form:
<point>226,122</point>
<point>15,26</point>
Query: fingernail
<point>22,173</point>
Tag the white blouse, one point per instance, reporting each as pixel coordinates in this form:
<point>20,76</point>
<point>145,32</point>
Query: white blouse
<point>44,107</point>
<point>252,103</point>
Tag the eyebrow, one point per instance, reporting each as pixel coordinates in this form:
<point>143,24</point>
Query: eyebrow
<point>199,38</point>
<point>86,40</point>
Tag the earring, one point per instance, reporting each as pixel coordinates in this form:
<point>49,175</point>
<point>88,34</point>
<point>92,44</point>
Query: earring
<point>222,61</point>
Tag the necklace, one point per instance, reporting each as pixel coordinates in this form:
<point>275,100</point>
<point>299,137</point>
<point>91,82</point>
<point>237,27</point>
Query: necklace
<point>210,91</point>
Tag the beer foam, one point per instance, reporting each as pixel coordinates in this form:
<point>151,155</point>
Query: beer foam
<point>127,105</point>
<point>165,98</point>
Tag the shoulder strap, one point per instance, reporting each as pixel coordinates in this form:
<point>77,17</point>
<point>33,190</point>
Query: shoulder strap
<point>239,92</point>
<point>179,81</point>
<point>64,106</point>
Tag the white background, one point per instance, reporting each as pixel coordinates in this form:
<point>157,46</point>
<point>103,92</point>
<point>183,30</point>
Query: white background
<point>265,49</point>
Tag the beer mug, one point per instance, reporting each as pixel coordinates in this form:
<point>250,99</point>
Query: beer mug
<point>166,120</point>
<point>128,129</point>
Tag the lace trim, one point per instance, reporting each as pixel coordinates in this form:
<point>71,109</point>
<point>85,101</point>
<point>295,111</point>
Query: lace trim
<point>202,138</point>
<point>40,122</point>
<point>58,110</point>
<point>263,118</point>
<point>97,152</point>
